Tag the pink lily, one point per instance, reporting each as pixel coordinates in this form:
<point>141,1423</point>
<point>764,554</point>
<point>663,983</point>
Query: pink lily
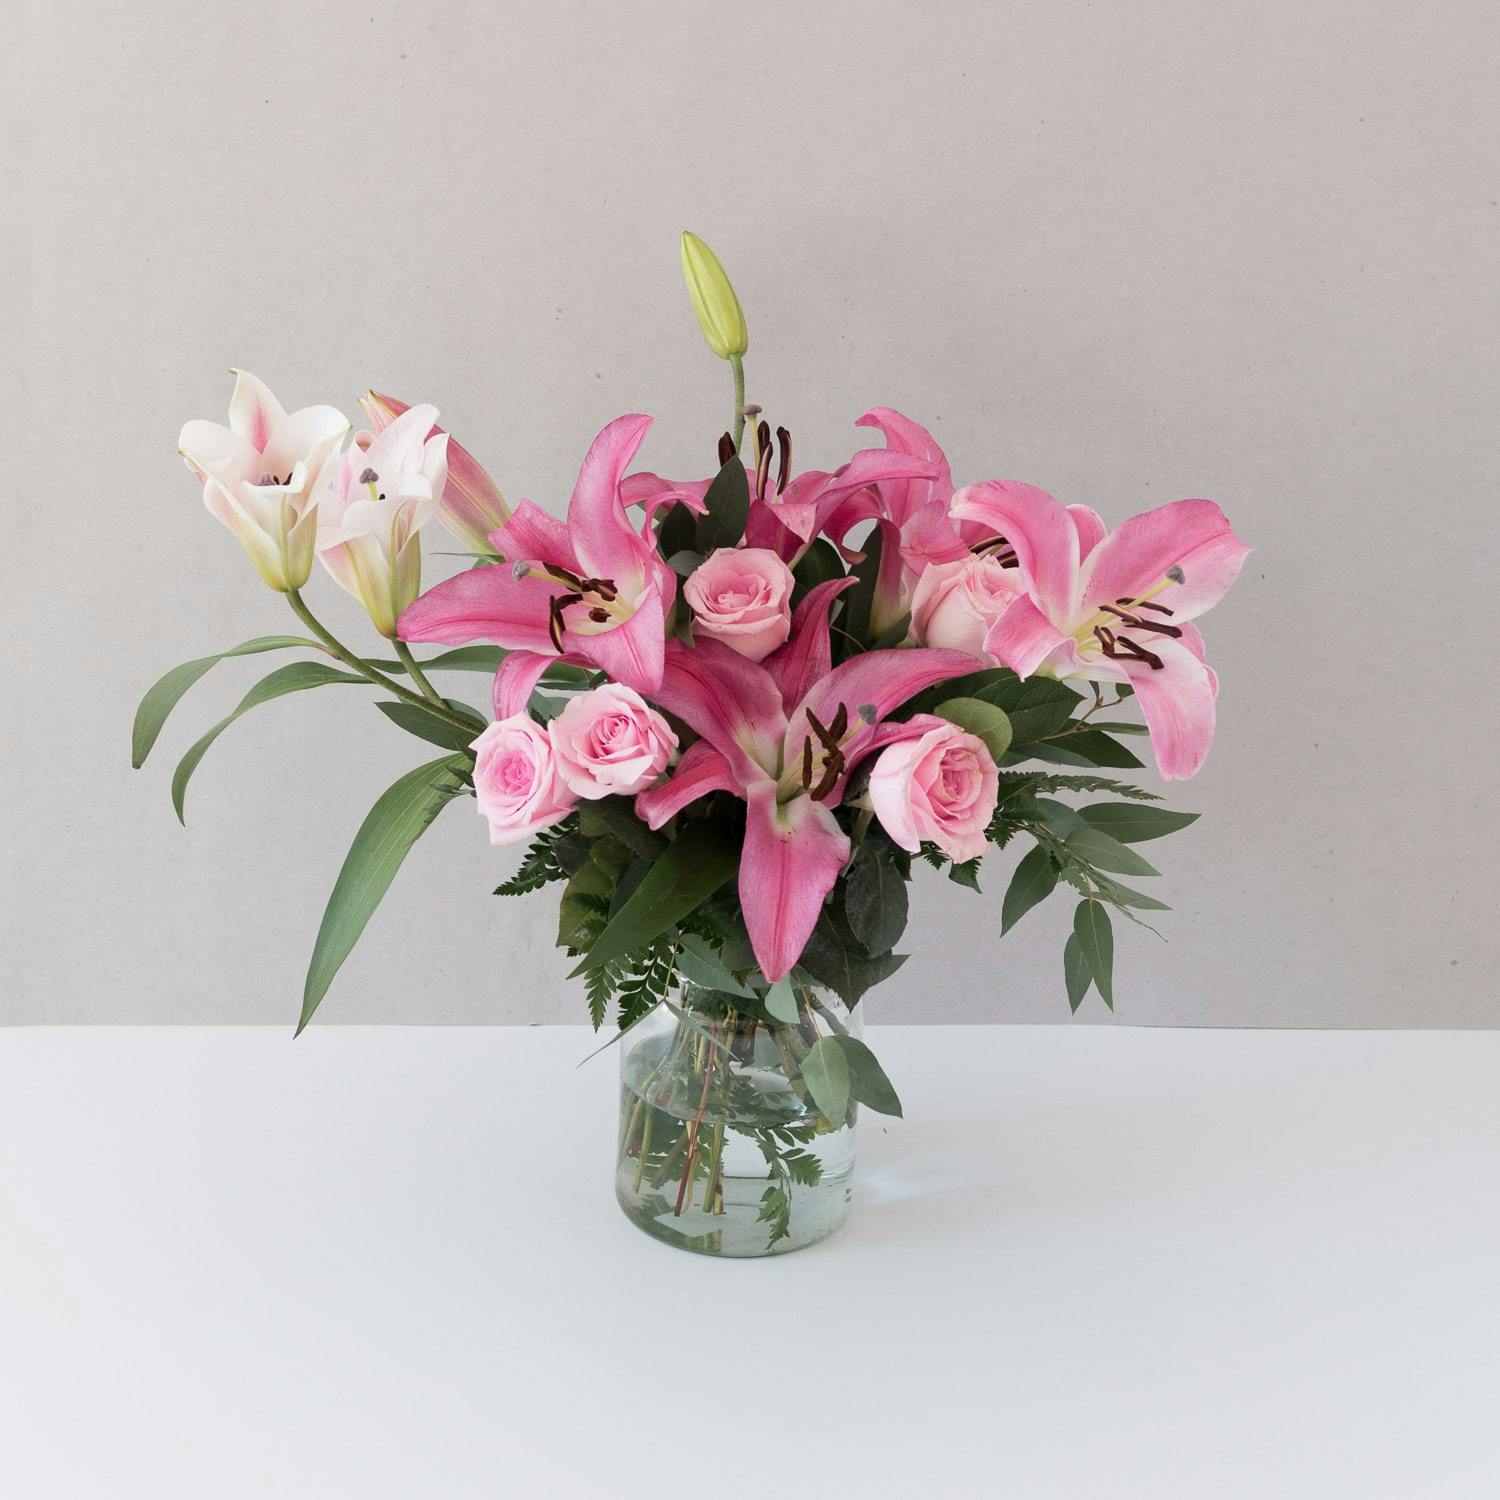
<point>471,505</point>
<point>1114,606</point>
<point>787,513</point>
<point>785,735</point>
<point>592,589</point>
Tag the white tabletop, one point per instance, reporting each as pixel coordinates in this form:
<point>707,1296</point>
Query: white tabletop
<point>1092,1263</point>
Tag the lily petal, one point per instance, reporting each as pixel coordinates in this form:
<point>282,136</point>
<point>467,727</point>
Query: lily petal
<point>700,771</point>
<point>729,700</point>
<point>1177,703</point>
<point>254,413</point>
<point>484,604</point>
<point>1040,530</point>
<point>882,680</point>
<point>1089,525</point>
<point>902,435</point>
<point>308,436</point>
<point>518,675</point>
<point>1193,535</point>
<point>634,651</point>
<point>606,543</point>
<point>1023,637</point>
<point>808,654</point>
<point>531,535</point>
<point>793,854</point>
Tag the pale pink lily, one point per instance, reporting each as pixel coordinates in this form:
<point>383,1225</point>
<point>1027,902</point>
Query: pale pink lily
<point>383,491</point>
<point>593,589</point>
<point>1114,606</point>
<point>785,735</point>
<point>471,505</point>
<point>261,475</point>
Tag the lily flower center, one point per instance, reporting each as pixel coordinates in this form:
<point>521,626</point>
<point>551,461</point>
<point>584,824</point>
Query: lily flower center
<point>822,761</point>
<point>1112,630</point>
<point>596,604</point>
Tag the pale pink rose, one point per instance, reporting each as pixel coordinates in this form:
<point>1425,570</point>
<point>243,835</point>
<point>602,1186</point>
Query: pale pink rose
<point>742,596</point>
<point>939,788</point>
<point>515,780</point>
<point>955,603</point>
<point>610,741</point>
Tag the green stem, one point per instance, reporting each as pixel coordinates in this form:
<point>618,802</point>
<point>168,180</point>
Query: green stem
<point>737,365</point>
<point>365,670</point>
<point>403,651</point>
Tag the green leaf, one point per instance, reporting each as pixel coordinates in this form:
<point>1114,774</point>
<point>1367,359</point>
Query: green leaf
<point>426,725</point>
<point>1132,824</point>
<point>1095,847</point>
<point>867,1081</point>
<point>875,900</point>
<point>832,957</point>
<point>698,962</point>
<point>990,723</point>
<point>1077,975</point>
<point>1117,726</point>
<point>825,1071</point>
<point>616,816</point>
<point>1096,942</point>
<point>819,564</point>
<point>1037,707</point>
<point>1034,880</point>
<point>460,659</point>
<point>860,600</point>
<point>398,819</point>
<point>1122,895</point>
<point>1095,748</point>
<point>166,692</point>
<point>727,505</point>
<point>677,529</point>
<point>966,873</point>
<point>295,677</point>
<point>686,873</point>
<point>781,1002</point>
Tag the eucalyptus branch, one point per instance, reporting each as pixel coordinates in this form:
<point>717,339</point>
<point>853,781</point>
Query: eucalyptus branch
<point>337,648</point>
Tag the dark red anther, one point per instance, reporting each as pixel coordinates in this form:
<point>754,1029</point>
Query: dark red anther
<point>784,466</point>
<point>726,449</point>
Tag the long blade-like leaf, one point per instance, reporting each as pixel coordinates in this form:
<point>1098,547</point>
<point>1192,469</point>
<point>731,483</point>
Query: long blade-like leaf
<point>296,677</point>
<point>418,721</point>
<point>166,692</point>
<point>391,827</point>
<point>685,874</point>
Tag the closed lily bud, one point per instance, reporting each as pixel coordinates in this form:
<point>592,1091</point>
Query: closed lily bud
<point>718,309</point>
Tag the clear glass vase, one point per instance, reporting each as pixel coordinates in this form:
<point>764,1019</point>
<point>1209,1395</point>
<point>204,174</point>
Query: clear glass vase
<point>723,1150</point>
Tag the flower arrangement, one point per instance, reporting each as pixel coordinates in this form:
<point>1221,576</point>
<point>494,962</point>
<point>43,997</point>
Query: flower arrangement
<point>730,715</point>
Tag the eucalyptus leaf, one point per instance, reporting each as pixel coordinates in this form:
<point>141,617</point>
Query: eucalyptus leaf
<point>832,956</point>
<point>1077,975</point>
<point>295,677</point>
<point>400,816</point>
<point>990,723</point>
<point>1133,824</point>
<point>1096,942</point>
<point>780,1002</point>
<point>1037,707</point>
<point>868,1083</point>
<point>1095,748</point>
<point>616,816</point>
<point>1122,895</point>
<point>684,875</point>
<point>698,962</point>
<point>825,1071</point>
<point>1034,880</point>
<point>167,691</point>
<point>1095,847</point>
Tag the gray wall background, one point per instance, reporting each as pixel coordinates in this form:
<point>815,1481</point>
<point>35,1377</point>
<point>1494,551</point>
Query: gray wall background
<point>1129,252</point>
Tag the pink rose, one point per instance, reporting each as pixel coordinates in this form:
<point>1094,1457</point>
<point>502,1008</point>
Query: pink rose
<point>742,596</point>
<point>955,603</point>
<point>516,781</point>
<point>939,788</point>
<point>610,740</point>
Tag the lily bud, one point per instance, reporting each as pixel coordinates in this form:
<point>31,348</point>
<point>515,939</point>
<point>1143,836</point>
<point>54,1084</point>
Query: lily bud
<point>718,309</point>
